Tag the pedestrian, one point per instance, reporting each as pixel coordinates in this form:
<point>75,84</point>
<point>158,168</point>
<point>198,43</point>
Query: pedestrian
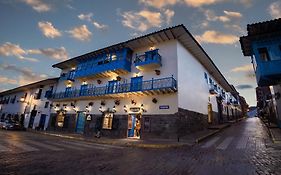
<point>138,127</point>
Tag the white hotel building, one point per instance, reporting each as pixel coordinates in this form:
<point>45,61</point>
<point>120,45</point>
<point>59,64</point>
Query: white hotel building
<point>160,85</point>
<point>28,104</point>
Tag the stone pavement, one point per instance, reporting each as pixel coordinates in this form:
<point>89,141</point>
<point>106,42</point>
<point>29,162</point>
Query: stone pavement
<point>188,140</point>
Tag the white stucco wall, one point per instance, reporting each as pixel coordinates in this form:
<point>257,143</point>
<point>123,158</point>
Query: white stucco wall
<point>193,90</point>
<point>276,102</point>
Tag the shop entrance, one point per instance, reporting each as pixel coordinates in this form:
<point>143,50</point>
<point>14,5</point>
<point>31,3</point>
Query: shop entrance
<point>80,122</point>
<point>134,126</point>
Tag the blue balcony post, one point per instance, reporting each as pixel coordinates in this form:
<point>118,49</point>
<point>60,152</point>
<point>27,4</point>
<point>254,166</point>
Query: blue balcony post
<point>152,83</point>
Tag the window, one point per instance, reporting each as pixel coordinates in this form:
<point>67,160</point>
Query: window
<point>46,104</point>
<point>263,54</point>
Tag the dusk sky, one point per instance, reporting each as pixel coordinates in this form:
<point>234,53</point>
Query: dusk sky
<point>35,34</point>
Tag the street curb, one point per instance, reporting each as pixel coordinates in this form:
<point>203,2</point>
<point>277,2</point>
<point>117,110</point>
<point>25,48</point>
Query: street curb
<point>136,145</point>
<point>270,133</point>
<point>200,139</point>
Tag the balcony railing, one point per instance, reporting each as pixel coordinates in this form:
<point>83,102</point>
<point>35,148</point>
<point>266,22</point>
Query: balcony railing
<point>150,59</point>
<point>168,84</point>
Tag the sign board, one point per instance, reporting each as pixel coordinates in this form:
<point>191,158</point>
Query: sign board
<point>135,109</point>
<point>89,117</point>
<point>164,107</point>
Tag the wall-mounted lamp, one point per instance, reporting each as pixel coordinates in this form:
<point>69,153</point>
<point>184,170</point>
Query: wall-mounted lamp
<point>152,48</point>
<point>113,109</point>
<point>142,108</point>
<point>133,102</point>
<point>100,109</point>
<point>87,109</point>
<point>75,109</point>
<point>125,108</point>
<point>84,83</point>
<point>68,84</point>
<point>56,108</point>
<point>22,99</point>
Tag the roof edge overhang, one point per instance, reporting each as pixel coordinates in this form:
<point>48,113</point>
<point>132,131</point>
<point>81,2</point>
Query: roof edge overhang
<point>30,86</point>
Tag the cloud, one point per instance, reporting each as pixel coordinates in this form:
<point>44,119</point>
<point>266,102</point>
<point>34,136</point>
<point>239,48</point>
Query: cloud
<point>274,9</point>
<point>233,14</point>
<point>81,33</point>
<point>244,86</point>
<point>9,49</point>
<point>158,3</point>
<point>6,80</point>
<point>56,53</point>
<point>142,20</point>
<point>99,26</point>
<point>211,16</point>
<point>244,68</point>
<point>247,3</point>
<point>25,75</point>
<point>169,14</point>
<point>38,5</point>
<point>215,37</point>
<point>199,3</point>
<point>87,17</point>
<point>48,29</point>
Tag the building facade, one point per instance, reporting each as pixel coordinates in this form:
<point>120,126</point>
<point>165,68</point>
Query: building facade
<point>263,45</point>
<point>160,85</point>
<point>28,104</point>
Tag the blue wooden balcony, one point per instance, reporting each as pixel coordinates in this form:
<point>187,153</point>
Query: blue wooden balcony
<point>268,73</point>
<point>149,87</point>
<point>149,60</point>
<point>103,65</point>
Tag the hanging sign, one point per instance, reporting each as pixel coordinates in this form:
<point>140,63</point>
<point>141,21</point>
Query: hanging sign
<point>135,109</point>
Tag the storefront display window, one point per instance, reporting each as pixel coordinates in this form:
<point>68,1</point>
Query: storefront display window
<point>107,121</point>
<point>60,119</point>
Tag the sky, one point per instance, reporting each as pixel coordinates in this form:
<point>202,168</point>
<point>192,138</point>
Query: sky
<point>35,34</point>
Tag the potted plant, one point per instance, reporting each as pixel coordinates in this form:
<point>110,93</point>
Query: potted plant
<point>102,103</point>
<point>117,102</point>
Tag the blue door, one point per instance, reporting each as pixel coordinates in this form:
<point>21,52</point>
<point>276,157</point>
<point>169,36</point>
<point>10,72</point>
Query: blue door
<point>42,121</point>
<point>136,84</point>
<point>80,122</point>
<point>131,125</point>
<point>112,87</point>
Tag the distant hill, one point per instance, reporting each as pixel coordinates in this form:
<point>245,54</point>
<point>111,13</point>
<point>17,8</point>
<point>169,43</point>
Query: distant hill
<point>252,111</point>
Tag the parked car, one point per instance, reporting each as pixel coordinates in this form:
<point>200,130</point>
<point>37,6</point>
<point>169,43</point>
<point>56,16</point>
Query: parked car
<point>10,125</point>
<point>2,123</point>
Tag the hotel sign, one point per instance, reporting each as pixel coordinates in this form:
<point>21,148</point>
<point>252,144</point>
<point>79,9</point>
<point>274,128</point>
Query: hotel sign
<point>164,107</point>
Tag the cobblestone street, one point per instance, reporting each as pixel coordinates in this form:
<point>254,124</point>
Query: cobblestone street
<point>243,148</point>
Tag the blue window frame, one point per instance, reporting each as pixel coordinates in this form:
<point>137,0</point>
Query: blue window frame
<point>136,83</point>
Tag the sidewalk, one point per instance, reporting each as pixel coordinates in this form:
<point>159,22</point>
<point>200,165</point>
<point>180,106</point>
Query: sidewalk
<point>188,140</point>
<point>273,130</point>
